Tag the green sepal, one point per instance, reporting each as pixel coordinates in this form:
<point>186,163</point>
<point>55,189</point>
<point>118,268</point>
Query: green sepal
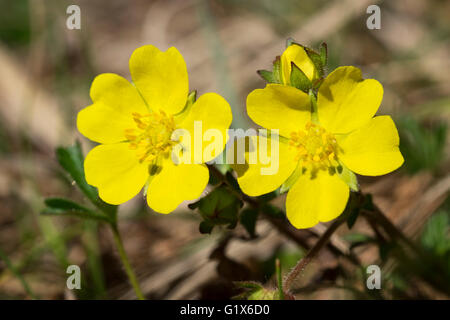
<point>273,76</point>
<point>267,76</point>
<point>323,52</point>
<point>317,61</point>
<point>292,179</point>
<point>348,177</point>
<point>299,78</point>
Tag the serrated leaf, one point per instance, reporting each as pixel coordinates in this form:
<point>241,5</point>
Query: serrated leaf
<point>65,207</point>
<point>299,79</point>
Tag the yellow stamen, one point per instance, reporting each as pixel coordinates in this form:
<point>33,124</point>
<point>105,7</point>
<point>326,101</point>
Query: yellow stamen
<point>151,137</point>
<point>315,146</point>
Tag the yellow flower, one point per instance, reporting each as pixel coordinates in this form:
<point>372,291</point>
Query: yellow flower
<point>319,151</point>
<point>296,54</point>
<point>134,123</point>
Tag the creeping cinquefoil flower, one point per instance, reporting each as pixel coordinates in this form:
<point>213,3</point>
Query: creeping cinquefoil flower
<point>135,124</point>
<point>321,147</point>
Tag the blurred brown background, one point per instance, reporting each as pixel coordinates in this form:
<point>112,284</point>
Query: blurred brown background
<point>46,71</point>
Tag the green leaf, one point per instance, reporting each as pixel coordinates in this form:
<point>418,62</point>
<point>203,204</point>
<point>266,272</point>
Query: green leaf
<point>71,159</point>
<point>248,220</point>
<point>299,79</point>
<point>272,211</point>
<point>65,207</point>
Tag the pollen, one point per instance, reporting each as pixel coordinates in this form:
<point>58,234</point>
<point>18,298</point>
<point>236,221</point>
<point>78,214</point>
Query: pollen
<point>151,137</point>
<point>315,146</point>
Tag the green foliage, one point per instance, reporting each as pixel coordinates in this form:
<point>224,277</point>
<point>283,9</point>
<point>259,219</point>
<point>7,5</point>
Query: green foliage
<point>65,207</point>
<point>71,159</point>
<point>354,206</point>
<point>15,22</point>
<point>248,219</point>
<point>219,207</point>
<point>422,146</point>
<point>288,258</point>
<point>435,237</point>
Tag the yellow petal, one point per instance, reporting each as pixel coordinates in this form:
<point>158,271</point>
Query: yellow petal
<point>373,149</point>
<point>161,78</point>
<point>279,107</point>
<point>297,54</point>
<point>175,184</point>
<point>115,170</point>
<point>115,99</point>
<point>314,200</point>
<point>346,102</point>
<point>260,175</point>
<point>210,113</point>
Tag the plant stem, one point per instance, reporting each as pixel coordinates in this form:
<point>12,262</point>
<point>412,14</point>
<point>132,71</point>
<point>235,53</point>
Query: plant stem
<point>311,254</point>
<point>126,264</point>
<point>279,279</point>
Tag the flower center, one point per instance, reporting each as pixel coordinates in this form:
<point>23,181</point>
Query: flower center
<point>152,136</point>
<point>315,146</point>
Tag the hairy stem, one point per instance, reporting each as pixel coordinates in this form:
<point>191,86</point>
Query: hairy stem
<point>126,264</point>
<point>311,254</point>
